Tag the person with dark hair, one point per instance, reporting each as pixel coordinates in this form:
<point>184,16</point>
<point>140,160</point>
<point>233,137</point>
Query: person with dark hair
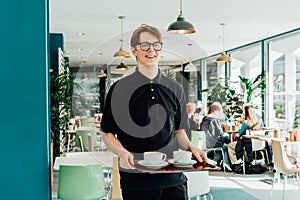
<point>236,148</point>
<point>213,127</point>
<point>146,111</point>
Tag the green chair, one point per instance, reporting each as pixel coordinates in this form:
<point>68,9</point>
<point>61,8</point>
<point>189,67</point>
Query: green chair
<point>85,135</point>
<point>87,121</point>
<point>84,182</point>
<point>199,140</point>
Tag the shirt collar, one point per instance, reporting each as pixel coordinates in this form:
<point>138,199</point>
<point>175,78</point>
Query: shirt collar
<point>140,77</point>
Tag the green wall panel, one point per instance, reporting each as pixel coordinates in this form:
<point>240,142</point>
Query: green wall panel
<point>24,118</point>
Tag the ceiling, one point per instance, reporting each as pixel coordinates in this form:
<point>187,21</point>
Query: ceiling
<point>246,22</point>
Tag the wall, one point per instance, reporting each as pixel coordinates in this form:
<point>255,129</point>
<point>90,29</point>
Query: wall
<point>24,94</point>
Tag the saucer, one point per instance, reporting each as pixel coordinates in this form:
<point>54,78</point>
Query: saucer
<point>177,164</point>
<point>153,166</point>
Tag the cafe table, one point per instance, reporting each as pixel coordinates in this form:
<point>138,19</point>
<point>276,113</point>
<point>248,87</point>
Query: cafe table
<point>104,158</point>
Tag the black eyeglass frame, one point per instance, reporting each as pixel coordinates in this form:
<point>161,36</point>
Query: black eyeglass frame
<point>150,44</point>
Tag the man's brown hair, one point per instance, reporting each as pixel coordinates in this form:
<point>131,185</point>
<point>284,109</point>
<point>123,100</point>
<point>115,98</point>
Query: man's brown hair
<point>135,37</point>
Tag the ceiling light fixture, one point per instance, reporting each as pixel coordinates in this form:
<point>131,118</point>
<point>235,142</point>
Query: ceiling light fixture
<point>181,26</point>
<point>101,74</point>
<point>223,57</point>
<point>190,67</point>
<point>122,66</point>
<point>121,53</point>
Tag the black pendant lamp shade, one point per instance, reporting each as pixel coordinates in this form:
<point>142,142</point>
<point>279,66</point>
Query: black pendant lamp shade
<point>181,26</point>
<point>122,66</point>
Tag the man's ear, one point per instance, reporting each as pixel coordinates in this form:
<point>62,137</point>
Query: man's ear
<point>134,51</point>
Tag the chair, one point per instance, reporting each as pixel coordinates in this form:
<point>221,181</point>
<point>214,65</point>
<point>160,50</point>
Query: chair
<point>84,182</point>
<point>87,121</point>
<point>80,143</point>
<point>257,145</point>
<point>281,164</point>
<point>194,189</point>
<point>89,139</point>
<point>199,140</point>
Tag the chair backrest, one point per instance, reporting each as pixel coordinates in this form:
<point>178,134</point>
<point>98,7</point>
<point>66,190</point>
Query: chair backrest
<point>257,144</point>
<point>81,182</point>
<point>80,143</point>
<point>85,137</point>
<point>281,161</point>
<point>87,121</point>
<point>194,178</point>
<point>199,139</point>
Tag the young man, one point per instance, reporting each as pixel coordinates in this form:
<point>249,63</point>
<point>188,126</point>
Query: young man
<point>146,111</point>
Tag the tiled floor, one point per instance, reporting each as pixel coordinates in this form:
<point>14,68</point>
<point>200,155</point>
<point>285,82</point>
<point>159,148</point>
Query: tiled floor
<point>256,185</point>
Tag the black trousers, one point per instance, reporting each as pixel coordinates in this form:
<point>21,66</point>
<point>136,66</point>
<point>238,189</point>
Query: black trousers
<point>244,143</point>
<point>174,193</point>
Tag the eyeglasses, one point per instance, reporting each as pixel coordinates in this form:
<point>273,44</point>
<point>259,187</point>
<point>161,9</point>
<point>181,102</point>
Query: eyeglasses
<point>145,46</point>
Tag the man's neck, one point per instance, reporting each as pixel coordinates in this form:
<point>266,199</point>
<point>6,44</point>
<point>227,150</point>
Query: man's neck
<point>149,71</point>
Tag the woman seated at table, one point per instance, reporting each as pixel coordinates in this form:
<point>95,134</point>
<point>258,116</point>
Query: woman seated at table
<point>213,127</point>
<point>236,148</point>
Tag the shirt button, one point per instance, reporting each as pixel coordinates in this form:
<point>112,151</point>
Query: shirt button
<point>151,81</point>
<point>152,89</point>
<point>153,97</point>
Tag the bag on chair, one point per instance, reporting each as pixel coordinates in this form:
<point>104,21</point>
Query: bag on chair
<point>250,169</point>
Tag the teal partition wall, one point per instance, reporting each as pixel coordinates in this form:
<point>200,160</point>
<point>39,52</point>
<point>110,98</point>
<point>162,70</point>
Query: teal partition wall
<point>24,124</point>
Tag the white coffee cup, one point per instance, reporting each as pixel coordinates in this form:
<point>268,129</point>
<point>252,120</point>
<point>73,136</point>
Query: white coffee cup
<point>182,157</point>
<point>154,157</point>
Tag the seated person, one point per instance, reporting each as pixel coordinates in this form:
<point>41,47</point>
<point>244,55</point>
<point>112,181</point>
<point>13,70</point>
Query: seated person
<point>199,109</point>
<point>236,148</point>
<point>223,117</point>
<point>213,128</point>
<point>193,125</point>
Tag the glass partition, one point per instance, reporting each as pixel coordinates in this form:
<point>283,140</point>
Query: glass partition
<point>284,69</point>
<point>246,63</point>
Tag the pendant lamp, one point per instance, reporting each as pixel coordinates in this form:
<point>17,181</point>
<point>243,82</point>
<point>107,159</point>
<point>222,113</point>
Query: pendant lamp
<point>101,74</point>
<point>121,53</point>
<point>181,26</point>
<point>122,66</point>
<point>190,67</point>
<point>223,57</point>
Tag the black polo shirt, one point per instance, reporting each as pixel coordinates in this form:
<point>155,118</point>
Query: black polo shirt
<point>144,115</point>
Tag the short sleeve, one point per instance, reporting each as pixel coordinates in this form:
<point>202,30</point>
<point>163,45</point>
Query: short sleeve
<point>108,124</point>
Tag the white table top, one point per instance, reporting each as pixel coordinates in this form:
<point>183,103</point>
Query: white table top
<point>85,158</point>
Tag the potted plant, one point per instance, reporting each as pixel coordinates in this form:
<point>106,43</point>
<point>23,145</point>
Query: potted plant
<point>253,88</point>
<point>61,89</point>
<point>230,100</point>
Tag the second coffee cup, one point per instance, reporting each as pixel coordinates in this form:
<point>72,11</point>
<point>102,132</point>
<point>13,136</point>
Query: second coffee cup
<point>182,156</point>
<point>154,157</point>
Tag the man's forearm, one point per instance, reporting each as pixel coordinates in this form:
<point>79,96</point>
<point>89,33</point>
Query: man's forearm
<point>113,144</point>
<point>183,140</point>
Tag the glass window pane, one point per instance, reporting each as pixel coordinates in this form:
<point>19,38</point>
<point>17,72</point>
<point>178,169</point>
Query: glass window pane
<point>279,74</point>
<point>279,106</point>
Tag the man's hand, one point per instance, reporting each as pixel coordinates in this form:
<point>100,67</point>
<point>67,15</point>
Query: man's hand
<point>198,154</point>
<point>126,160</point>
